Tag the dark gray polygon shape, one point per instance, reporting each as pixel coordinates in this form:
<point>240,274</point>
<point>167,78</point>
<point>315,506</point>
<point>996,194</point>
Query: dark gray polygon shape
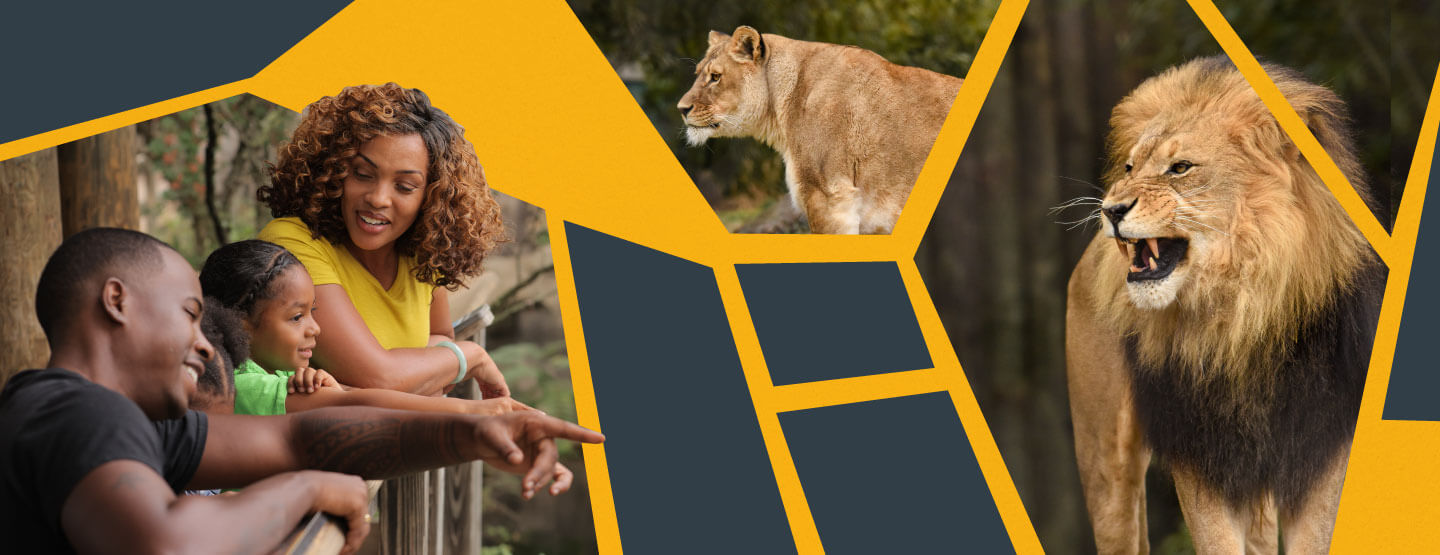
<point>68,63</point>
<point>688,467</point>
<point>823,321</point>
<point>1414,392</point>
<point>894,476</point>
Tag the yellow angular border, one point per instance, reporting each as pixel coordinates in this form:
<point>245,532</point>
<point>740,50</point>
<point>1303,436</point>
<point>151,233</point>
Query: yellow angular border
<point>1295,127</point>
<point>722,254</point>
<point>33,143</point>
<point>597,469</point>
<point>1391,460</point>
<point>1389,491</point>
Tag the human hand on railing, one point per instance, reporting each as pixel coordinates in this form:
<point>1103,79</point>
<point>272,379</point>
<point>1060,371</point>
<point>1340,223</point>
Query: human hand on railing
<point>484,371</point>
<point>343,496</point>
<point>307,380</point>
<point>498,406</point>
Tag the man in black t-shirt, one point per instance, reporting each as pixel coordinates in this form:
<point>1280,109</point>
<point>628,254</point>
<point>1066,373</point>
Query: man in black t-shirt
<point>79,426</point>
<point>94,448</point>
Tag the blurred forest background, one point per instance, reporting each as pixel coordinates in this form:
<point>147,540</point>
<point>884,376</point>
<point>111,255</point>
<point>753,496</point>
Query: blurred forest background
<point>654,46</point>
<point>995,260</point>
<point>190,179</point>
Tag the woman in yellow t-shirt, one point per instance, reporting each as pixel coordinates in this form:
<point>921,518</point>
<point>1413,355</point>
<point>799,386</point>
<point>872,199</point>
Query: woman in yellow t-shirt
<point>381,197</point>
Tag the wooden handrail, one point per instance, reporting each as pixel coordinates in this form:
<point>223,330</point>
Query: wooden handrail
<point>322,533</point>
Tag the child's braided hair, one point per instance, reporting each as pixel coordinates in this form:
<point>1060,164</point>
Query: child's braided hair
<point>242,274</point>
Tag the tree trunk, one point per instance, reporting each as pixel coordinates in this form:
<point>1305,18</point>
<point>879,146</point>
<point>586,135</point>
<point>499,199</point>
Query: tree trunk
<point>30,229</point>
<point>97,181</point>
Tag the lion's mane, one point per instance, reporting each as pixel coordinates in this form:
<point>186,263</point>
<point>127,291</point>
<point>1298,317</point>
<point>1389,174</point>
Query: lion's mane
<point>1252,377</point>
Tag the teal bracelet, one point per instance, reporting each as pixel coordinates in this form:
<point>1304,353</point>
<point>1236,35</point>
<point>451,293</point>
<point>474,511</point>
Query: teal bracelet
<point>458,354</point>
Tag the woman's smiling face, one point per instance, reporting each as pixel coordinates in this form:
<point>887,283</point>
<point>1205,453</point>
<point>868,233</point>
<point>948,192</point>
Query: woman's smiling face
<point>282,327</point>
<point>383,193</point>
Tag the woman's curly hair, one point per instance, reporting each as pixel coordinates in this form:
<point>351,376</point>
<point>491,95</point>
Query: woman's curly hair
<point>458,222</point>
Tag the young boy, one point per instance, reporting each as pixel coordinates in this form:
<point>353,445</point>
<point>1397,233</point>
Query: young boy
<point>93,448</point>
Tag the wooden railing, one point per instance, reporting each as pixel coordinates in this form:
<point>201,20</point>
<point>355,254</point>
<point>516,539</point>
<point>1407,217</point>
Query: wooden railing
<point>430,513</point>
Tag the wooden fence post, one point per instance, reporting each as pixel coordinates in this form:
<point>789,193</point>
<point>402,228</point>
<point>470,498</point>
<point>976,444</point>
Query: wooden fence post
<point>97,181</point>
<point>430,513</point>
<point>30,229</point>
<point>438,512</point>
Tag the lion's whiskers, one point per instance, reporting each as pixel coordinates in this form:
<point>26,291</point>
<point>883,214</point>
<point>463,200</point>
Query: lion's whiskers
<point>1094,215</point>
<point>1180,218</point>
<point>1097,188</point>
<point>1077,201</point>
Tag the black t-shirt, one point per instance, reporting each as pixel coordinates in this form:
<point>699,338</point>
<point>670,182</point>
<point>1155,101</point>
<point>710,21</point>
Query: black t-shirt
<point>56,427</point>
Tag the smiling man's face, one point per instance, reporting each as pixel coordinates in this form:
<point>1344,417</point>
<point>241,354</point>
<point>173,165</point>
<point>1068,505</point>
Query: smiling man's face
<point>166,350</point>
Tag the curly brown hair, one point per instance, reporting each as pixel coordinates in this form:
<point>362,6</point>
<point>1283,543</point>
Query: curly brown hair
<point>458,222</point>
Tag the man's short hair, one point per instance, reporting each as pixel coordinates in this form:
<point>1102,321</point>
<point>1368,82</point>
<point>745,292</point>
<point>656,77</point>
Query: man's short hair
<point>69,278</point>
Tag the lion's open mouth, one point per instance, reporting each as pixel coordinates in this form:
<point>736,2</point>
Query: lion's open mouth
<point>1153,257</point>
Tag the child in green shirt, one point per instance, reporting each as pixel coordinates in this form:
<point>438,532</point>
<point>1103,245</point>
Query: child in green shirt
<point>271,291</point>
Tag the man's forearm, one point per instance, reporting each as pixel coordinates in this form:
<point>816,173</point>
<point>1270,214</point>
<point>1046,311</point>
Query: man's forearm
<point>254,520</point>
<point>378,443</point>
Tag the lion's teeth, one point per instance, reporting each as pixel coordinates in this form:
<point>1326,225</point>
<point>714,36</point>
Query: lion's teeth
<point>1153,266</point>
<point>1154,246</point>
<point>1134,268</point>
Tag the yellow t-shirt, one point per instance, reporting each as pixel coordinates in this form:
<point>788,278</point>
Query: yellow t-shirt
<point>398,317</point>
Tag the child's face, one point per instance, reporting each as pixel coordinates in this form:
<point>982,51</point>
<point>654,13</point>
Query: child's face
<point>283,328</point>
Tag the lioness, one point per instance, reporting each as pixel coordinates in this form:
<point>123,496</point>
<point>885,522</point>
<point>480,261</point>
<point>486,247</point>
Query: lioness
<point>853,129</point>
<point>1222,319</point>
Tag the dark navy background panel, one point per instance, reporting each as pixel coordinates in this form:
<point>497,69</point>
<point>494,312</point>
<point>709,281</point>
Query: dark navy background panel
<point>894,476</point>
<point>688,466</point>
<point>1414,392</point>
<point>66,63</point>
<point>832,320</point>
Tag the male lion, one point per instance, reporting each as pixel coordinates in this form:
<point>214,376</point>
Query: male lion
<point>853,129</point>
<point>1222,319</point>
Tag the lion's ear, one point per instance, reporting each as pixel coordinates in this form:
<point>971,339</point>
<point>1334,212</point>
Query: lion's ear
<point>748,45</point>
<point>717,38</point>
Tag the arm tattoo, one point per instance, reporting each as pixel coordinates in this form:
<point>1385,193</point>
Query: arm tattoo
<point>380,445</point>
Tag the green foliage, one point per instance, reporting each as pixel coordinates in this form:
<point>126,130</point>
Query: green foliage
<point>247,131</point>
<point>664,39</point>
<point>539,374</point>
<point>501,537</point>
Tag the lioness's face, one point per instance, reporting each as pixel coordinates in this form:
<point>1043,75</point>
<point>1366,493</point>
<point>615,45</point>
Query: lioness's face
<point>1170,204</point>
<point>729,94</point>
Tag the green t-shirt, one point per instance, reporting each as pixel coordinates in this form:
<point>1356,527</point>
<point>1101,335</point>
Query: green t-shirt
<point>260,392</point>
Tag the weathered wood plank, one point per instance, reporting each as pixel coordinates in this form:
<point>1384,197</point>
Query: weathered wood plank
<point>97,181</point>
<point>30,228</point>
<point>461,495</point>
